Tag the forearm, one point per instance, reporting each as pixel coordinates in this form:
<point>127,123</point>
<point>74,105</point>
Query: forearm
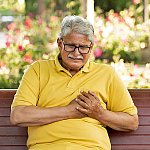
<point>36,116</point>
<point>119,120</point>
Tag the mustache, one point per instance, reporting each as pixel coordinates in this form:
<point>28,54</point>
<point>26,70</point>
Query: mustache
<point>77,57</point>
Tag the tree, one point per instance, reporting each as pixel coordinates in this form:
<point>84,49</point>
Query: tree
<point>41,8</point>
<point>146,10</point>
<point>87,9</point>
<point>116,5</point>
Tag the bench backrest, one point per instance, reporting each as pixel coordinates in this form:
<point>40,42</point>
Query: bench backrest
<point>139,139</point>
<point>14,138</point>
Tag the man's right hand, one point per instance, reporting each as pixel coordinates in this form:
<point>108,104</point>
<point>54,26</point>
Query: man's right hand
<point>72,110</point>
<point>35,116</point>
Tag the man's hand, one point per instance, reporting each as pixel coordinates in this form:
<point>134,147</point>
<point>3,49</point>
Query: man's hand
<point>72,110</point>
<point>90,104</point>
<point>117,120</point>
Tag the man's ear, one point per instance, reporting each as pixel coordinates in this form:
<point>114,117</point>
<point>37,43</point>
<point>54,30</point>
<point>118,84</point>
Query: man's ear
<point>92,44</point>
<point>59,43</point>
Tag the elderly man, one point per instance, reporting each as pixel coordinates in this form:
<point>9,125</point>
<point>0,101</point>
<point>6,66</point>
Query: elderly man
<point>67,102</point>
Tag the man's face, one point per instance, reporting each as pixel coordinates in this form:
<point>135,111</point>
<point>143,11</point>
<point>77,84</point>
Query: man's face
<point>74,60</point>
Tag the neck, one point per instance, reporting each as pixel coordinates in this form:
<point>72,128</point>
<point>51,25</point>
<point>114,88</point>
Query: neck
<point>72,71</point>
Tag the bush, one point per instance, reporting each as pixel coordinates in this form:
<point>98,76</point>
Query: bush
<point>120,34</point>
<point>27,40</point>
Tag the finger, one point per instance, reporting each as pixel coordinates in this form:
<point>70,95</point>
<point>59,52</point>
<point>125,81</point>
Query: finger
<point>82,110</point>
<point>84,98</point>
<point>85,94</point>
<point>81,103</point>
<point>94,95</point>
<point>88,95</point>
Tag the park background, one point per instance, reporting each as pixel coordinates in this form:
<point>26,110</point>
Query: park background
<point>29,29</point>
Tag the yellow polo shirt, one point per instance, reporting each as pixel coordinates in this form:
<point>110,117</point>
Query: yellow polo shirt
<point>46,84</point>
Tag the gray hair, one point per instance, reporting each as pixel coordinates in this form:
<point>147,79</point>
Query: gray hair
<point>77,24</point>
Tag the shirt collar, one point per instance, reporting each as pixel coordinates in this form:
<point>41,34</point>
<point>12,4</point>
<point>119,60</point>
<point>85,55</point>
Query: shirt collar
<point>60,68</point>
<point>86,67</point>
<point>57,63</point>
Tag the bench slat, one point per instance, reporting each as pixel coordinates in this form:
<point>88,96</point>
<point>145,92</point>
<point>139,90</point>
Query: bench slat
<point>5,112</point>
<point>18,147</point>
<point>5,94</point>
<point>136,93</point>
<point>14,130</point>
<point>5,102</point>
<point>144,111</point>
<point>141,130</point>
<point>127,139</point>
<point>142,102</point>
<point>130,147</point>
<point>144,120</point>
<point>13,140</point>
<point>5,121</point>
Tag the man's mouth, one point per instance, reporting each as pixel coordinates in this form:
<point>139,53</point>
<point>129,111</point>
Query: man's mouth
<point>75,58</point>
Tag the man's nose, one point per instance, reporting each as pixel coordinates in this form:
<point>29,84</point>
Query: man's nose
<point>76,51</point>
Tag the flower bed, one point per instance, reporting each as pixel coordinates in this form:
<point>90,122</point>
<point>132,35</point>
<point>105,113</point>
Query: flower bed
<point>27,40</point>
<point>117,39</point>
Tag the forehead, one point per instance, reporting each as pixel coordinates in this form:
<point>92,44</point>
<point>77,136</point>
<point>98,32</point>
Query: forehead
<point>76,38</point>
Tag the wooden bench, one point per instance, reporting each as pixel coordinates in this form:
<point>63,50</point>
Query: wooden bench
<point>14,138</point>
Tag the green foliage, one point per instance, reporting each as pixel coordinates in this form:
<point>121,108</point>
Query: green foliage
<point>119,37</point>
<point>11,7</point>
<point>120,34</point>
<point>27,41</point>
<point>116,5</point>
<point>59,8</point>
<point>31,6</point>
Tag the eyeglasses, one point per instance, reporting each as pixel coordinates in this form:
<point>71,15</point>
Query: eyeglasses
<point>81,49</point>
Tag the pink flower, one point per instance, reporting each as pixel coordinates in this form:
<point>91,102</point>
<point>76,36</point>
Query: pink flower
<point>47,29</point>
<point>116,14</point>
<point>7,43</point>
<point>27,23</point>
<point>20,48</point>
<point>124,39</point>
<point>97,52</point>
<point>136,66</point>
<point>121,20</point>
<point>54,18</point>
<point>2,64</point>
<point>40,21</point>
<point>108,19</point>
<point>136,1</point>
<point>28,58</point>
<point>11,26</point>
<point>17,31</point>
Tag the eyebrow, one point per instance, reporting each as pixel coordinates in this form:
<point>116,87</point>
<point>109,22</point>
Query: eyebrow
<point>73,44</point>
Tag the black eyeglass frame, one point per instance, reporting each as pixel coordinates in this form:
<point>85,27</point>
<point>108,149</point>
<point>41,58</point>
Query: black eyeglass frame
<point>78,47</point>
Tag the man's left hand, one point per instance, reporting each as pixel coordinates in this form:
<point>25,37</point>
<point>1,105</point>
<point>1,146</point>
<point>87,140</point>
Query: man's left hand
<point>90,103</point>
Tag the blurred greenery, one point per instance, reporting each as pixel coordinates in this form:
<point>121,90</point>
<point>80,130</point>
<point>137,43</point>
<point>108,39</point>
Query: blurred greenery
<point>11,7</point>
<point>120,34</point>
<point>57,7</point>
<point>25,43</point>
<point>116,5</point>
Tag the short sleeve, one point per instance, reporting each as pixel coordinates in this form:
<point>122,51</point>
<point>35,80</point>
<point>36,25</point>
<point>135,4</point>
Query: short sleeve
<point>119,99</point>
<point>28,91</point>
